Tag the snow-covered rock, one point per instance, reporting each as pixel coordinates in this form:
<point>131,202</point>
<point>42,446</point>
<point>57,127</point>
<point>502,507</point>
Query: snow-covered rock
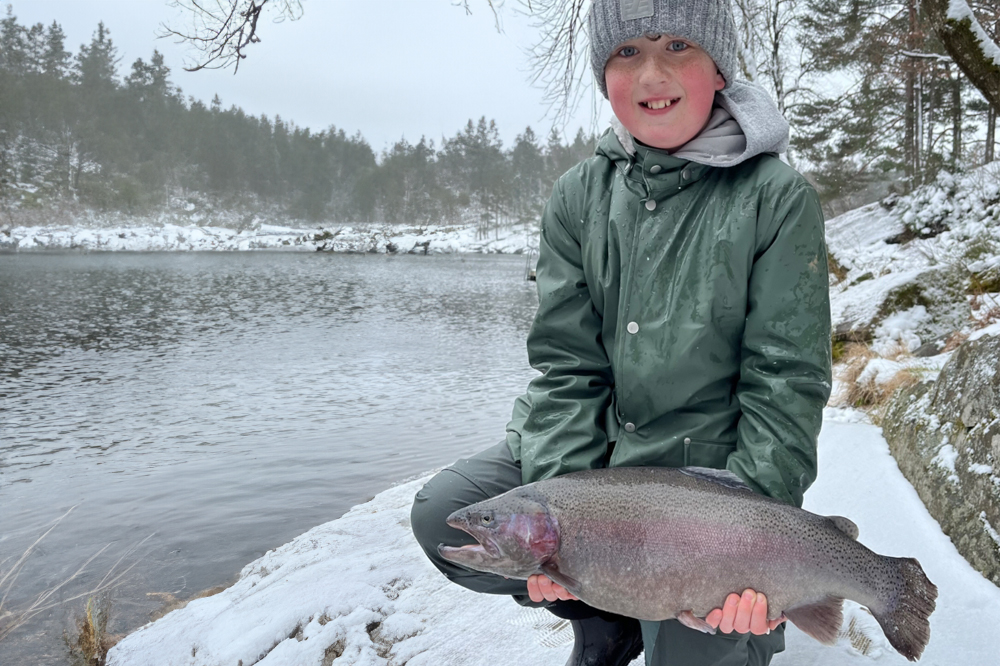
<point>946,438</point>
<point>923,249</point>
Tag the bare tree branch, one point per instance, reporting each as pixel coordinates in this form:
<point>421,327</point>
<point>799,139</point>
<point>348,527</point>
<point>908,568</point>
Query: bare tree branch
<point>222,29</point>
<point>558,58</point>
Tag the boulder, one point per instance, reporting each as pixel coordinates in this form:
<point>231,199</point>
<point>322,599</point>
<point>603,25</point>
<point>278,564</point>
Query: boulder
<point>859,309</point>
<point>945,436</point>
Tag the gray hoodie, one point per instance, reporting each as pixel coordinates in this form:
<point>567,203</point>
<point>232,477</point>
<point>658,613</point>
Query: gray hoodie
<point>745,122</point>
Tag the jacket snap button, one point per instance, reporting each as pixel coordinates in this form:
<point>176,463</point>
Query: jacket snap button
<point>656,168</point>
<point>630,427</point>
<point>632,327</point>
<point>685,174</point>
<point>650,205</point>
<point>687,440</point>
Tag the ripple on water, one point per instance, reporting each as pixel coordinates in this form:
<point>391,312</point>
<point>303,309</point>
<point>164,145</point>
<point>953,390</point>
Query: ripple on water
<point>229,402</point>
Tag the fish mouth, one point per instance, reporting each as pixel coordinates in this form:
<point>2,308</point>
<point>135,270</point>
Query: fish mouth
<point>483,549</point>
<point>470,554</point>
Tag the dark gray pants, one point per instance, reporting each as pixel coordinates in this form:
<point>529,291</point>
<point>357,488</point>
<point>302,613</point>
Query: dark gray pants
<point>494,471</point>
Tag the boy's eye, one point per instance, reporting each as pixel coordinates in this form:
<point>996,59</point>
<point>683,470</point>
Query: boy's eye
<point>677,45</point>
<point>628,51</point>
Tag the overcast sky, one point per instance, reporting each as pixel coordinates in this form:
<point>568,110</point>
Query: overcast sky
<point>389,68</point>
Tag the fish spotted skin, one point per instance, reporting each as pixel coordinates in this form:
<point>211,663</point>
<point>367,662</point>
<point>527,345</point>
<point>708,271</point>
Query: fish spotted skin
<point>652,543</point>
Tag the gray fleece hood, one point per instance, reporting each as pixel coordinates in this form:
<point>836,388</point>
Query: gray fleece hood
<point>745,122</point>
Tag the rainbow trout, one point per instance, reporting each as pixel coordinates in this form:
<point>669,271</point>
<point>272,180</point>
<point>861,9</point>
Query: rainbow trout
<point>659,543</point>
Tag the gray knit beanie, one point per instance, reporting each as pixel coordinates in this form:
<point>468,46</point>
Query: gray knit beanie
<point>707,23</point>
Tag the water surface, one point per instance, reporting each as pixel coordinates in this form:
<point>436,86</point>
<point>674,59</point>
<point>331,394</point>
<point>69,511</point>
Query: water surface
<point>226,403</point>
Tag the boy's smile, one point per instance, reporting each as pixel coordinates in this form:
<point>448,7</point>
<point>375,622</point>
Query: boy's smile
<point>662,88</point>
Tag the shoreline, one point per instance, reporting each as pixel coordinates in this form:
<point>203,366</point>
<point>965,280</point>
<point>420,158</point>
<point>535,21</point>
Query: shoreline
<point>379,239</point>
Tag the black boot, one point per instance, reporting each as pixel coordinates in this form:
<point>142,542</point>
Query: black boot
<point>605,642</point>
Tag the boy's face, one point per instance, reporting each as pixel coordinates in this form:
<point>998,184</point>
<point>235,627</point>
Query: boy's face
<point>644,73</point>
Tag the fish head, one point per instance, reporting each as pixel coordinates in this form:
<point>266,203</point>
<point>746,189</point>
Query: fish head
<point>515,535</point>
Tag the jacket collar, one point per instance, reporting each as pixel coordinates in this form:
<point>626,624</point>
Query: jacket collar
<point>658,169</point>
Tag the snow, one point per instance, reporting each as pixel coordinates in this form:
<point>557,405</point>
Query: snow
<point>432,239</point>
<point>958,10</point>
<point>945,459</point>
<point>881,371</point>
<point>896,331</point>
<point>991,330</point>
<point>865,243</point>
<point>361,584</point>
<point>989,529</point>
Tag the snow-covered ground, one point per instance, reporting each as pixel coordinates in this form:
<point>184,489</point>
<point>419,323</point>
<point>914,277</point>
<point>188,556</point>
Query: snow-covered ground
<point>432,239</point>
<point>359,589</point>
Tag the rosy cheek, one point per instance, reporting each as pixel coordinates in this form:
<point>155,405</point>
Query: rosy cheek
<point>619,92</point>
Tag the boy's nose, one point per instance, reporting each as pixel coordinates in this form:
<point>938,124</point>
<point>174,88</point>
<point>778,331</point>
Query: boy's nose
<point>654,71</point>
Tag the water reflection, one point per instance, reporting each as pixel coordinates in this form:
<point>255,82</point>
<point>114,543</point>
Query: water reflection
<point>228,402</point>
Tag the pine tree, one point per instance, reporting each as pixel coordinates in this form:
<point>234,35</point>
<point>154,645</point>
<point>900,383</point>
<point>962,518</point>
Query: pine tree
<point>899,104</point>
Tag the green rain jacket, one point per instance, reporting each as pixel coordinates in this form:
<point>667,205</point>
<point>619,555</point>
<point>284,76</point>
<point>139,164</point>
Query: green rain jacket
<point>683,319</point>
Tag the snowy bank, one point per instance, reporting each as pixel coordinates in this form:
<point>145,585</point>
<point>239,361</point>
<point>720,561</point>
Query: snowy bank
<point>358,590</point>
<point>930,259</point>
<point>433,239</point>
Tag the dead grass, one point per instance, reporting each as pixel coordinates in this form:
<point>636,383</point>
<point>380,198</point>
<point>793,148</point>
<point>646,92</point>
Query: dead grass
<point>92,642</point>
<point>172,603</point>
<point>837,270</point>
<point>868,394</point>
<point>12,618</point>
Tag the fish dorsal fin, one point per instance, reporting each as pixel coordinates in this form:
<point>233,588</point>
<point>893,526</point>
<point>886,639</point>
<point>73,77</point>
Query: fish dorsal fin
<point>821,619</point>
<point>845,525</point>
<point>722,476</point>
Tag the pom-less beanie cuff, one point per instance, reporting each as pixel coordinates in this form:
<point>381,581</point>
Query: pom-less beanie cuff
<point>707,23</point>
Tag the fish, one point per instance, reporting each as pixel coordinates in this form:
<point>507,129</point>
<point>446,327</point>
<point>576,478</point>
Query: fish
<point>659,543</point>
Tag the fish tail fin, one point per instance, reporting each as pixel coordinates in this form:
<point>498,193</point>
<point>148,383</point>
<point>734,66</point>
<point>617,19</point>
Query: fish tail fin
<point>904,617</point>
<point>819,619</point>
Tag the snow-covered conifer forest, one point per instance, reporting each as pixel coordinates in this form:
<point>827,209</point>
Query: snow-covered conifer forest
<point>876,104</point>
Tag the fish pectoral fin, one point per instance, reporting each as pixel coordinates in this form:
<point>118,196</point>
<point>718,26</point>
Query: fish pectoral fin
<point>820,619</point>
<point>551,569</point>
<point>690,620</point>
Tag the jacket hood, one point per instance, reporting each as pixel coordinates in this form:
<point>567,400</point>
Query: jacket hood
<point>745,122</point>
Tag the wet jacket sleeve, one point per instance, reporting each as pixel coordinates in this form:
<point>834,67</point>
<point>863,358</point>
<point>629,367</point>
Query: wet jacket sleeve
<point>558,425</point>
<point>785,374</point>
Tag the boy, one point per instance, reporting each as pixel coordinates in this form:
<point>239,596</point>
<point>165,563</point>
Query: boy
<point>683,316</point>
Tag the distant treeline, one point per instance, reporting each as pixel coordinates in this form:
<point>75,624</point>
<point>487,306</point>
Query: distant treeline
<point>72,129</point>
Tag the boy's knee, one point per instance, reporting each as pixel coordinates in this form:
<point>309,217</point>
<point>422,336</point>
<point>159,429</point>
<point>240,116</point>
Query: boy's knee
<point>428,514</point>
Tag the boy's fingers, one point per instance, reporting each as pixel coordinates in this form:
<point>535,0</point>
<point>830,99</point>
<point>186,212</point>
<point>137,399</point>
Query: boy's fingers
<point>545,586</point>
<point>729,613</point>
<point>714,617</point>
<point>541,588</point>
<point>758,616</point>
<point>533,593</point>
<point>741,624</point>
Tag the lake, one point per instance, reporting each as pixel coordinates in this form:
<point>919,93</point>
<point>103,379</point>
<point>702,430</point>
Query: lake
<point>225,403</point>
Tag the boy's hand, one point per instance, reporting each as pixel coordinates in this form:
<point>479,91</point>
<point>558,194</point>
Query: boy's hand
<point>742,614</point>
<point>541,587</point>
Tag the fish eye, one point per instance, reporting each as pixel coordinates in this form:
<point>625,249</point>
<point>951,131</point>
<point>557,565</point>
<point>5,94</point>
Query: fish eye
<point>486,519</point>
